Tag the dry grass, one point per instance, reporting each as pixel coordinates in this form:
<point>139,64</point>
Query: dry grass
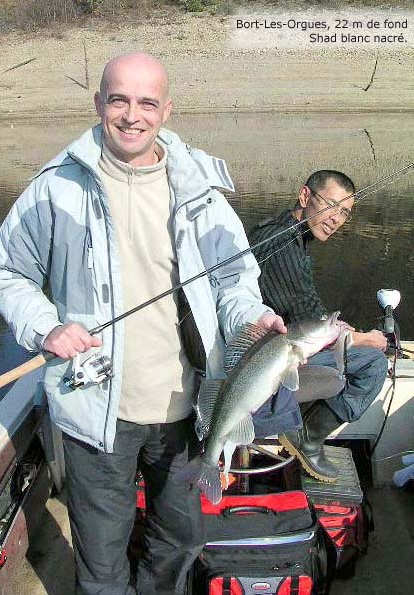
<point>332,4</point>
<point>32,15</point>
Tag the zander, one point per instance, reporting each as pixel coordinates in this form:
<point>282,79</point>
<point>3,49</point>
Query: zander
<point>257,362</point>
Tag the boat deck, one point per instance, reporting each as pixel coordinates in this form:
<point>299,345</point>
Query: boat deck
<point>387,568</point>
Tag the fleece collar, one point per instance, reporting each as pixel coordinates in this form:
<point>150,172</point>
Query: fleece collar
<point>191,172</point>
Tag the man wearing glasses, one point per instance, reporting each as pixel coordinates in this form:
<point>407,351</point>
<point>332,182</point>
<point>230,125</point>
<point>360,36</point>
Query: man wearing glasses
<point>287,286</point>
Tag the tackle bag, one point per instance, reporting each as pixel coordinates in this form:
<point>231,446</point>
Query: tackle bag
<point>270,544</point>
<point>343,512</point>
<point>346,528</point>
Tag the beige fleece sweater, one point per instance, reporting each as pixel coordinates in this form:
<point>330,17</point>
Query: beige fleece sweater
<point>157,379</point>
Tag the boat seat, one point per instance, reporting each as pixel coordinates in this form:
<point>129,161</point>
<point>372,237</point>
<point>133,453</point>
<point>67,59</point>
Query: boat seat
<point>315,383</point>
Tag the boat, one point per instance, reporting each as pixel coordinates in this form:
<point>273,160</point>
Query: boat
<point>32,469</point>
<point>31,466</point>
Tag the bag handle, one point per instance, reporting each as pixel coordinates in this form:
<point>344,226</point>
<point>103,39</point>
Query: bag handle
<point>244,509</point>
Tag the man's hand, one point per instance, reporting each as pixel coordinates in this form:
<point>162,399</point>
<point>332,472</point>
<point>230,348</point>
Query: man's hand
<point>70,339</point>
<point>272,322</point>
<point>374,338</point>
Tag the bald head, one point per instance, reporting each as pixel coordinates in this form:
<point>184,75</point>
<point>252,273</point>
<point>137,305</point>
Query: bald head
<point>136,63</point>
<point>133,103</point>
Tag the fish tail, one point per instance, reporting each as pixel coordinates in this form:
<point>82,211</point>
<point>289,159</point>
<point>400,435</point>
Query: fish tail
<point>206,476</point>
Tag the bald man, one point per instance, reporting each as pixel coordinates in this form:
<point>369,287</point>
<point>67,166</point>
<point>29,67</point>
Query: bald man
<point>121,215</point>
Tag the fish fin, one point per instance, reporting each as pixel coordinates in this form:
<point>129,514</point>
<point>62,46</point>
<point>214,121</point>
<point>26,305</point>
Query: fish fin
<point>243,432</point>
<point>207,477</point>
<point>245,338</point>
<point>343,342</point>
<point>228,452</point>
<point>290,378</point>
<point>204,407</point>
<point>296,351</point>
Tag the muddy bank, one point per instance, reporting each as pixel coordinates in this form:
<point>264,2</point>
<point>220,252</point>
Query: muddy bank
<point>208,72</point>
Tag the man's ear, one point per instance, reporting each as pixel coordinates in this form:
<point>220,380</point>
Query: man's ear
<point>98,104</point>
<point>304,196</point>
<point>167,110</point>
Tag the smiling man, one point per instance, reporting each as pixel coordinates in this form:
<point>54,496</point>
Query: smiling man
<point>133,104</point>
<point>287,286</point>
<point>122,215</point>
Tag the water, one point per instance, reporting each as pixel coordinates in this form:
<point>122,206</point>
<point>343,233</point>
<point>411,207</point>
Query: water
<point>269,156</point>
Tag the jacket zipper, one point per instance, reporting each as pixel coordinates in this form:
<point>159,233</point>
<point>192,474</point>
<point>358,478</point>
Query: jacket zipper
<point>130,221</point>
<point>111,285</point>
<point>101,192</point>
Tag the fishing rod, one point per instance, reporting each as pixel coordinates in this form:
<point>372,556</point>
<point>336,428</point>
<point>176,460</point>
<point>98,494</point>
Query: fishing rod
<point>357,195</point>
<point>99,369</point>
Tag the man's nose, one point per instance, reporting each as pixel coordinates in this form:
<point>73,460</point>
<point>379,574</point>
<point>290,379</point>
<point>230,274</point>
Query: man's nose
<point>132,112</point>
<point>335,215</point>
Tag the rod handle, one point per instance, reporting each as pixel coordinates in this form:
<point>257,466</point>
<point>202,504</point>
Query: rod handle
<point>33,364</point>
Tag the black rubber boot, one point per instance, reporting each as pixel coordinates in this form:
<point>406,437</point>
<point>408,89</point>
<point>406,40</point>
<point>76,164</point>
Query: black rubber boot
<point>307,444</point>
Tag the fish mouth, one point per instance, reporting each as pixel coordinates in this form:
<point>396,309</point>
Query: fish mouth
<point>328,321</point>
<point>333,318</point>
<point>332,328</point>
<point>315,335</point>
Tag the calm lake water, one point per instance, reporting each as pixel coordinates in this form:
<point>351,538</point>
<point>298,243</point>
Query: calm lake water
<point>269,156</point>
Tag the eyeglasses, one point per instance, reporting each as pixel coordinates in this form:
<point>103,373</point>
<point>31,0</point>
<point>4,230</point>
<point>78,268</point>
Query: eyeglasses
<point>343,212</point>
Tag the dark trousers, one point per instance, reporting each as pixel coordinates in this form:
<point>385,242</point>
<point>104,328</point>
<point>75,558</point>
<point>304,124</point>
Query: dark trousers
<point>102,508</point>
<point>366,373</point>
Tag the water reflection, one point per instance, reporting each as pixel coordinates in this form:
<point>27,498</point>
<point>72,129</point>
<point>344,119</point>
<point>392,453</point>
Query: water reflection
<point>269,157</point>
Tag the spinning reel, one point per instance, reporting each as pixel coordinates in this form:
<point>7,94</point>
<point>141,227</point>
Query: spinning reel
<point>94,370</point>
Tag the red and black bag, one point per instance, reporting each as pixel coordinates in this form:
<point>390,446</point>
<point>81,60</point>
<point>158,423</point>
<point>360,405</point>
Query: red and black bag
<point>343,512</point>
<point>269,544</point>
<point>346,528</point>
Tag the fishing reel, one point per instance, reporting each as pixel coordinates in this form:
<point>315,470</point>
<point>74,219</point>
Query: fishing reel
<point>389,299</point>
<point>94,370</point>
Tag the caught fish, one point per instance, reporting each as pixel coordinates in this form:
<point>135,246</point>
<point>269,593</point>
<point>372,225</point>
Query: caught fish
<point>257,362</point>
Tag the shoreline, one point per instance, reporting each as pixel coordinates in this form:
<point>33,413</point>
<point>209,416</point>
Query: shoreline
<point>67,116</point>
<point>54,76</point>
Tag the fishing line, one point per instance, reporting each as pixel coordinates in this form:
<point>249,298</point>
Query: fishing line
<point>387,180</point>
<point>359,195</point>
<point>40,359</point>
<point>279,249</point>
<point>397,454</point>
<point>356,195</point>
<point>405,376</point>
<point>370,189</point>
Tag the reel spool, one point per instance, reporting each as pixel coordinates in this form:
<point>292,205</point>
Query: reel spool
<point>94,370</point>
